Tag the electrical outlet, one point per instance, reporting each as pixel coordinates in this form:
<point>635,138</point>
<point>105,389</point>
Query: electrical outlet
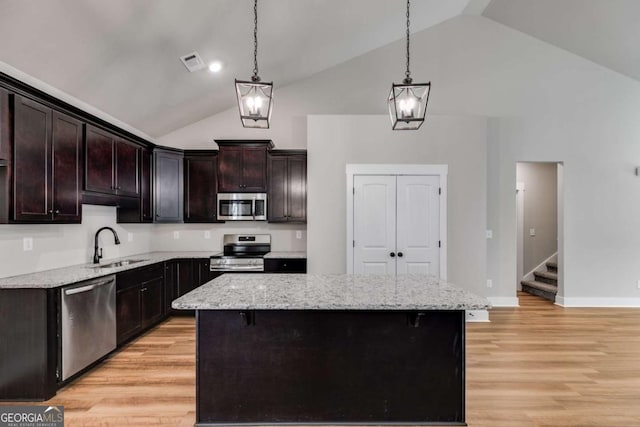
<point>27,243</point>
<point>489,234</point>
<point>298,234</point>
<point>207,234</point>
<point>129,237</point>
<point>176,235</point>
<point>638,284</point>
<point>489,283</point>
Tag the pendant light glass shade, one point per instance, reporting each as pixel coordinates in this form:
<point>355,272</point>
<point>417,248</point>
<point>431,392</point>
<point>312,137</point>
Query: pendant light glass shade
<point>408,105</point>
<point>254,102</point>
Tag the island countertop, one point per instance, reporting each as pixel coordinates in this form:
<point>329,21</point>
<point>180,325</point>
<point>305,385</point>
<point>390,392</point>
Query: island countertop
<point>247,291</point>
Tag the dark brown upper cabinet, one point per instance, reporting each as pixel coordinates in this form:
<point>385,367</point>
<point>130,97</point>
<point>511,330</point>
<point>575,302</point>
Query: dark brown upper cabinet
<point>111,164</point>
<point>47,166</point>
<point>146,186</point>
<point>200,184</point>
<point>242,166</point>
<point>140,210</point>
<point>287,195</point>
<point>168,185</point>
<point>5,156</point>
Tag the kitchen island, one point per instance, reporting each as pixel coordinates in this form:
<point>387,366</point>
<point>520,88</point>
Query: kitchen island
<point>330,349</point>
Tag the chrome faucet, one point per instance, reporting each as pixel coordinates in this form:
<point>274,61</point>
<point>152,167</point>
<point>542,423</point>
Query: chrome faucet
<point>97,252</point>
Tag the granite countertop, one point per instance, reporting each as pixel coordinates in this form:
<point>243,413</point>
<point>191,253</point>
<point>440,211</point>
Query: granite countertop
<point>286,255</point>
<point>77,273</point>
<point>328,292</point>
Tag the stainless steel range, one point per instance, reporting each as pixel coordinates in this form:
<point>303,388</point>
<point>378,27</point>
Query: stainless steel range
<point>242,252</point>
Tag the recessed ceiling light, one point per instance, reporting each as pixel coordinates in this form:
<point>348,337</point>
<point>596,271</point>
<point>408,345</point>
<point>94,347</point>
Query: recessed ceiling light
<point>215,66</point>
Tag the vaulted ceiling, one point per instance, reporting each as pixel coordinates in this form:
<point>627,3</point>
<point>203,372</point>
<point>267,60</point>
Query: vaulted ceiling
<point>122,56</point>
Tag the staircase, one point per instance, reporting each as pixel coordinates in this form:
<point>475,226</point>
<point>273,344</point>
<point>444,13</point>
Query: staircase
<point>545,283</point>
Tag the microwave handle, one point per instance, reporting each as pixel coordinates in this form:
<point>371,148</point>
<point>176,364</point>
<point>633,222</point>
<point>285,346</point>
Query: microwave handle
<point>253,209</point>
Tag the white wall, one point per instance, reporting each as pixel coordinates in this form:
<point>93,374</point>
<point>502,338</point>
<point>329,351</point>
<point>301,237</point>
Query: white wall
<point>63,245</point>
<point>334,141</point>
<point>56,246</point>
<point>546,104</point>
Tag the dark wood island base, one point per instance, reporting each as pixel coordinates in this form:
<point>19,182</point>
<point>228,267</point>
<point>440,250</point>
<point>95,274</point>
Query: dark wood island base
<point>266,367</point>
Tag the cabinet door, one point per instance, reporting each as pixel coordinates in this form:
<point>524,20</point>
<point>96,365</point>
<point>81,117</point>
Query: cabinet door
<point>200,189</point>
<point>151,295</point>
<point>254,169</point>
<point>277,197</point>
<point>146,186</point>
<point>99,161</point>
<point>67,169</point>
<point>184,278</point>
<point>297,189</point>
<point>170,284</point>
<point>128,317</point>
<point>168,186</point>
<point>230,169</point>
<point>32,161</point>
<point>201,271</point>
<point>127,169</point>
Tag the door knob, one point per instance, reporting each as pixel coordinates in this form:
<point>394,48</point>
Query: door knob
<point>392,254</point>
<point>400,254</point>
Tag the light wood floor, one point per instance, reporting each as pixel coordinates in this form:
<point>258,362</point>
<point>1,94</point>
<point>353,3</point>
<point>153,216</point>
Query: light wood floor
<point>536,365</point>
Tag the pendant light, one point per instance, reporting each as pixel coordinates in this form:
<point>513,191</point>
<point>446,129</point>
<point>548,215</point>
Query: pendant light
<point>255,97</point>
<point>407,100</point>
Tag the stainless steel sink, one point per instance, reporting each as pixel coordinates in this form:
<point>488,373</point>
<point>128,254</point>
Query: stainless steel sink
<point>119,263</point>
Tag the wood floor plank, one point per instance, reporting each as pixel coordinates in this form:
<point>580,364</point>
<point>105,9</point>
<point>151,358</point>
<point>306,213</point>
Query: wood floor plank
<point>537,365</point>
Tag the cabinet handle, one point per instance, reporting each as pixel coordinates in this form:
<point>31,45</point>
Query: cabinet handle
<point>392,254</point>
<point>143,289</point>
<point>400,254</point>
<point>50,211</point>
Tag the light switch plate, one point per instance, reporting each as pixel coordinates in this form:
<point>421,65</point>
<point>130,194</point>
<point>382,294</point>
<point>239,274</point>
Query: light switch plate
<point>489,283</point>
<point>298,234</point>
<point>129,237</point>
<point>176,235</point>
<point>532,232</point>
<point>27,243</point>
<point>207,234</point>
<point>489,234</point>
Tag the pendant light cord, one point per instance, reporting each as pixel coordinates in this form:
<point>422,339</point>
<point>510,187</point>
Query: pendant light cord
<point>407,79</point>
<point>255,77</point>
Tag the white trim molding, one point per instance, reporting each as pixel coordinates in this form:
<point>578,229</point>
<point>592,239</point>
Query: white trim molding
<point>398,169</point>
<point>504,301</point>
<point>476,316</point>
<point>598,302</point>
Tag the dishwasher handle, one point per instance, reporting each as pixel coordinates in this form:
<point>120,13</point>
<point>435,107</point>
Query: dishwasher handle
<point>86,288</point>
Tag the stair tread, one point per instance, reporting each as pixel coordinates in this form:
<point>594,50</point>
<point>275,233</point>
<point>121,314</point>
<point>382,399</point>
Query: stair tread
<point>542,286</point>
<point>552,264</point>
<point>546,274</point>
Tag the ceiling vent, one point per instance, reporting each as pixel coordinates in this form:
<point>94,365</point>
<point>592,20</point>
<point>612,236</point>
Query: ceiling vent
<point>192,61</point>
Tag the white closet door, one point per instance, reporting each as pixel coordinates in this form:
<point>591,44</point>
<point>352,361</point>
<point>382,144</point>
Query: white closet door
<point>418,226</point>
<point>374,224</point>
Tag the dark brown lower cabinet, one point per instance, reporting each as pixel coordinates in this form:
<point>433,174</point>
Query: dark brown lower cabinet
<point>139,300</point>
<point>285,265</point>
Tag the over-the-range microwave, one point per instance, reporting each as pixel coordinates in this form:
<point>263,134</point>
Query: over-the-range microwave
<point>242,206</point>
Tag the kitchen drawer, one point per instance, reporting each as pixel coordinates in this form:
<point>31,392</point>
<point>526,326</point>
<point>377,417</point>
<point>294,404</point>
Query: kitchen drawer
<point>140,275</point>
<point>285,265</point>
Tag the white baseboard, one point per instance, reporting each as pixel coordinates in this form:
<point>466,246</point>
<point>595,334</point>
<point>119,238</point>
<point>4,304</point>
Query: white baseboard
<point>504,301</point>
<point>477,316</point>
<point>597,302</point>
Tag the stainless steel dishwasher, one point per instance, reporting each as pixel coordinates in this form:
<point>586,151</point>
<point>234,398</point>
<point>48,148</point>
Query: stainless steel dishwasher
<point>88,317</point>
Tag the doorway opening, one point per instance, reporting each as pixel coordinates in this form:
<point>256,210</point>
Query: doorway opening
<point>539,231</point>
